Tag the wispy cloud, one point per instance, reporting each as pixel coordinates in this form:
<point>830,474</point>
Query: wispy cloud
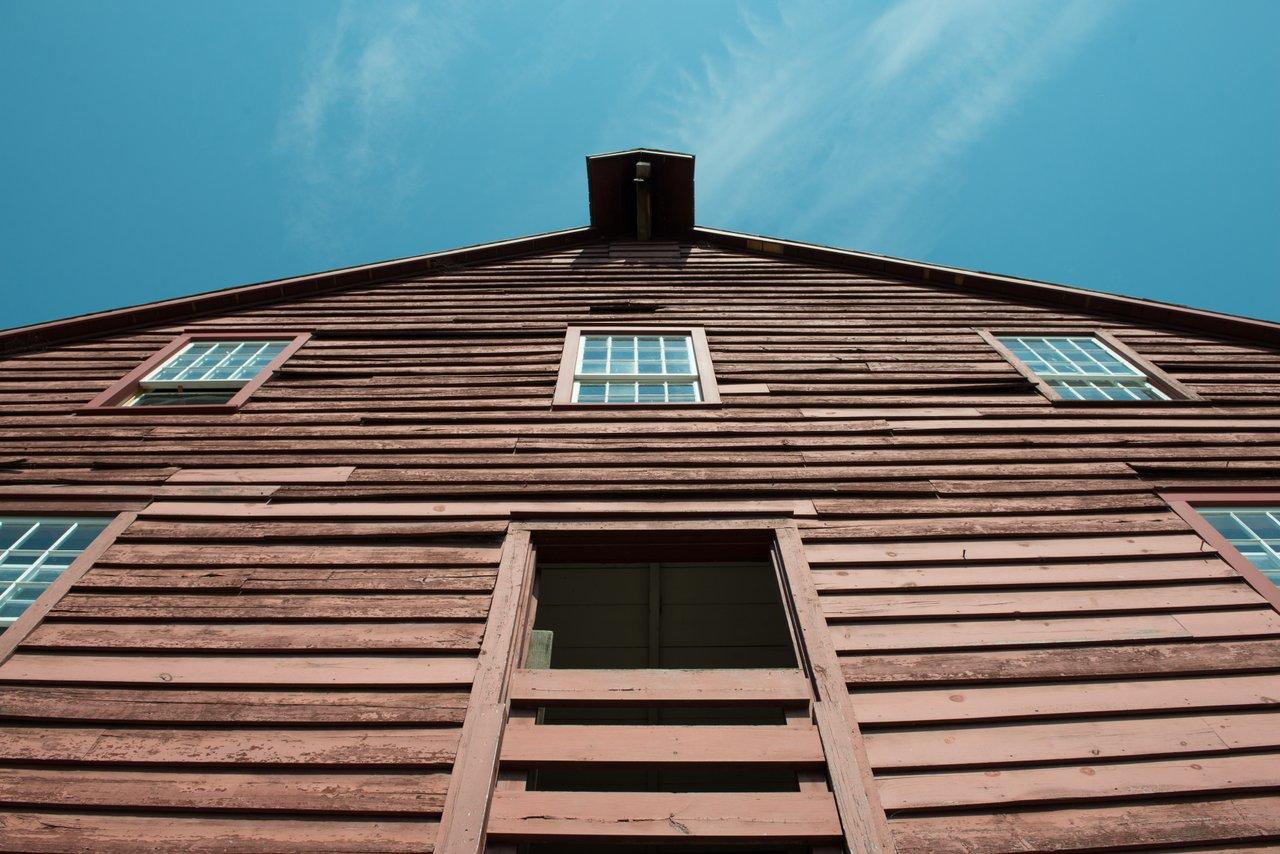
<point>860,115</point>
<point>367,74</point>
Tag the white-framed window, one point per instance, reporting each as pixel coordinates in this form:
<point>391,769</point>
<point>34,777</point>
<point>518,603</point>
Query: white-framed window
<point>1254,531</point>
<point>613,368</point>
<point>205,371</point>
<point>33,553</point>
<point>1082,367</point>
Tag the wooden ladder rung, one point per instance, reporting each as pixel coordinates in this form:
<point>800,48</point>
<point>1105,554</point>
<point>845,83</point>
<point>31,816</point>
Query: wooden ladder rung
<point>710,817</point>
<point>642,744</point>
<point>660,686</point>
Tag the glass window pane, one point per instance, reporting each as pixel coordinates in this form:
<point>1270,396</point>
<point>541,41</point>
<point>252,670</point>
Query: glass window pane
<point>681,393</point>
<point>652,393</point>
<point>590,393</point>
<point>621,393</point>
<point>676,348</point>
<point>1083,356</point>
<point>45,535</point>
<point>1253,531</point>
<point>20,584</point>
<point>207,361</point>
<point>1260,523</point>
<point>11,530</point>
<point>622,356</point>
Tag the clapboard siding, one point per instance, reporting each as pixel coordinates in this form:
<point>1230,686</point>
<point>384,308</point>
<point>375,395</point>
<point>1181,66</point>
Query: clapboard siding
<point>277,653</point>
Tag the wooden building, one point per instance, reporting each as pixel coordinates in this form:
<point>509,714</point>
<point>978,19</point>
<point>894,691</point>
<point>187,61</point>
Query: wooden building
<point>641,536</point>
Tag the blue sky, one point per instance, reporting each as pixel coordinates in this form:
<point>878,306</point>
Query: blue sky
<point>157,149</point>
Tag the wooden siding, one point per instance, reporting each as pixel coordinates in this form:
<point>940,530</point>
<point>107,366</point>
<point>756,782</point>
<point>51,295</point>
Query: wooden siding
<point>278,652</point>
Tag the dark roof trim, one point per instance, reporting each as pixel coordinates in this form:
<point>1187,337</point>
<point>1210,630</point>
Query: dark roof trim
<point>1149,311</point>
<point>189,307</point>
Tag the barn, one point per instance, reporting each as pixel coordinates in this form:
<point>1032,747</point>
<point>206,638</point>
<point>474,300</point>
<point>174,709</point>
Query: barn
<point>644,537</point>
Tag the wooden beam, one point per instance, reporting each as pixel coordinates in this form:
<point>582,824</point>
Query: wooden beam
<point>466,807</point>
<point>664,816</point>
<point>865,827</point>
<point>660,686</point>
<point>664,745</point>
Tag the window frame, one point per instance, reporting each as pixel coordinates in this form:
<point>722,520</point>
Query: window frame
<point>20,628</point>
<point>1171,387</point>
<point>1184,503</point>
<point>706,378</point>
<point>112,400</point>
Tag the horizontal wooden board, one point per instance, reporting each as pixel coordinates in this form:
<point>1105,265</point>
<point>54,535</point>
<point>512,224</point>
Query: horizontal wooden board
<point>664,816</point>
<point>245,670</point>
<point>565,744</point>
<point>127,834</point>
<point>272,580</point>
<point>1005,550</point>
<point>62,703</point>
<point>311,474</point>
<point>1205,775</point>
<point>1108,828</point>
<point>1070,698</point>
<point>257,637</point>
<point>1015,631</point>
<point>1094,740</point>
<point>659,686</point>
<point>1016,575</point>
<point>357,748</point>
<point>89,606</point>
<point>415,794</point>
<point>1164,597</point>
<point>1076,662</point>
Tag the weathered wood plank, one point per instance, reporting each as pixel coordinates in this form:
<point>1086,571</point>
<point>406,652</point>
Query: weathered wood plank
<point>1206,775</point>
<point>311,607</point>
<point>257,637</point>
<point>1164,597</point>
<point>994,632</point>
<point>1077,662</point>
<point>1110,828</point>
<point>358,748</point>
<point>73,703</point>
<point>659,686</point>
<point>415,794</point>
<point>263,670</point>
<point>664,816</point>
<point>128,834</point>
<point>566,744</point>
<point>1068,698</point>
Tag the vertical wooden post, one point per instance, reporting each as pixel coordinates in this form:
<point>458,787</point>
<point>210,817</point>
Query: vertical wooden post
<point>475,767</point>
<point>866,829</point>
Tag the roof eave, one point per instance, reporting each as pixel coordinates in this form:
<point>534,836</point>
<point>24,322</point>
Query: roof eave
<point>1082,299</point>
<point>179,309</point>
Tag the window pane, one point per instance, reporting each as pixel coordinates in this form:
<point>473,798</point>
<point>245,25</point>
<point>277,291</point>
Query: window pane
<point>677,348</point>
<point>181,398</point>
<point>27,571</point>
<point>638,362</point>
<point>621,393</point>
<point>1253,531</point>
<point>622,355</point>
<point>590,393</point>
<point>681,393</point>
<point>210,361</point>
<point>1083,356</point>
<point>652,393</point>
